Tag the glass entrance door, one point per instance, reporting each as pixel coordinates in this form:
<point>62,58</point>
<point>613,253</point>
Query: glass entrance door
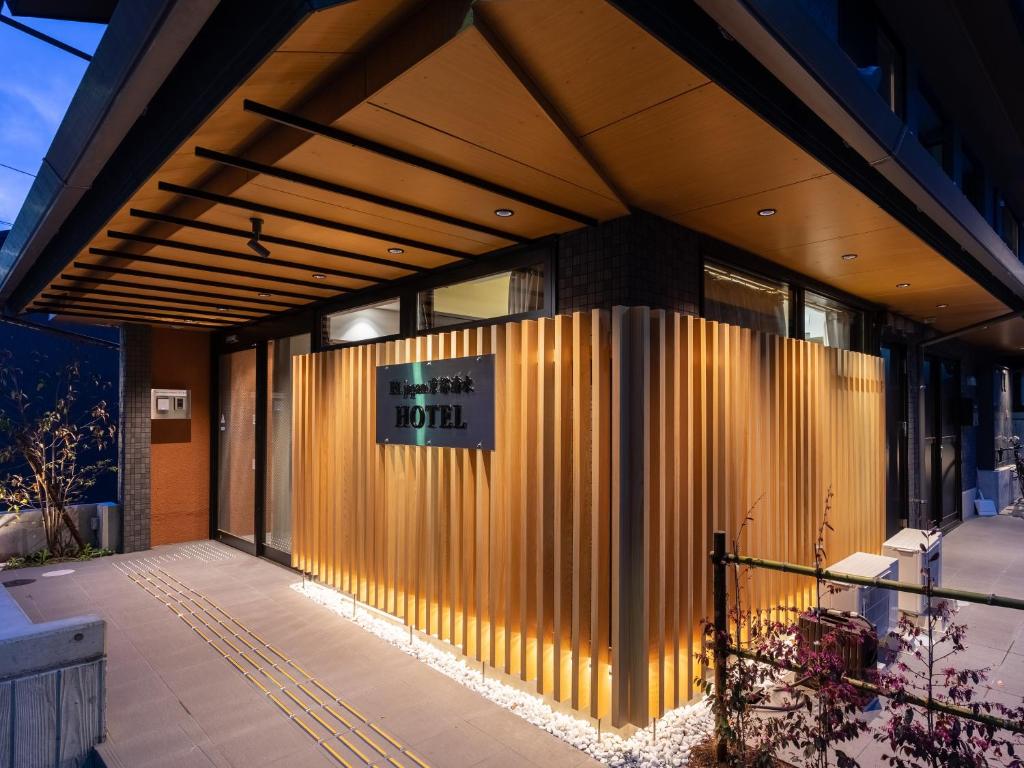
<point>236,448</point>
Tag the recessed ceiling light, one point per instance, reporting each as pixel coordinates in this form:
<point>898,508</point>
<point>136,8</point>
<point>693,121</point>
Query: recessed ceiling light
<point>319,276</point>
<point>902,285</point>
<point>767,212</point>
<point>504,212</point>
<point>263,295</point>
<point>849,256</point>
<point>941,306</point>
<point>396,251</point>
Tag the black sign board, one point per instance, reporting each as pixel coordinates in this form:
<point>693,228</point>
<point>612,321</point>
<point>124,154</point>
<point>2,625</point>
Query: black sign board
<point>441,403</point>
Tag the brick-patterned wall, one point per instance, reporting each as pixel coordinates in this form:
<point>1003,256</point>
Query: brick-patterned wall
<point>134,452</point>
<point>636,260</point>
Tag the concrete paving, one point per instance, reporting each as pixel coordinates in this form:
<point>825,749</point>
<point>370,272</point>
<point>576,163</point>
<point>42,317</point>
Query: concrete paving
<point>173,700</point>
<point>983,554</point>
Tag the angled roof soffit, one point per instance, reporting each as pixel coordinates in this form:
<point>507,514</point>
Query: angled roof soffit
<point>143,44</point>
<point>140,46</point>
<point>795,51</point>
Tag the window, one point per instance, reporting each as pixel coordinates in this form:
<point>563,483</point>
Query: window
<point>934,135</point>
<point>873,51</point>
<point>828,322</point>
<point>515,292</point>
<point>365,323</point>
<point>740,299</point>
<point>972,181</point>
<point>1009,227</point>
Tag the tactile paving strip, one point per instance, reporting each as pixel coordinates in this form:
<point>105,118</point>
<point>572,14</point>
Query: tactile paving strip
<point>347,735</point>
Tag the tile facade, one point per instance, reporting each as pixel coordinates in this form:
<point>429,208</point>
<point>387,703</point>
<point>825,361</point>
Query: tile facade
<point>134,452</point>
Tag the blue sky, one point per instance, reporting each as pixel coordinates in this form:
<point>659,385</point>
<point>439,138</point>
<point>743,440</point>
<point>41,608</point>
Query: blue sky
<point>37,82</point>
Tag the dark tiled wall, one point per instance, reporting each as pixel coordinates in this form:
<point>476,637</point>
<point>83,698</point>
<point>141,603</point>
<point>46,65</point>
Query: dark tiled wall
<point>134,454</point>
<point>636,260</point>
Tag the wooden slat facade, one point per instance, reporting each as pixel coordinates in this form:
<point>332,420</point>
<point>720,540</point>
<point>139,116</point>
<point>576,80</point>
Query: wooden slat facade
<point>575,554</point>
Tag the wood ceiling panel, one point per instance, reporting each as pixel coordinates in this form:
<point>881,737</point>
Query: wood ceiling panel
<point>183,268</point>
<point>310,261</point>
<point>170,289</point>
<point>358,213</point>
<point>296,279</point>
<point>345,28</point>
<point>383,176</point>
<point>696,150</point>
<point>464,90</point>
<point>407,135</point>
<point>297,230</point>
<point>1007,336</point>
<point>142,293</point>
<point>815,210</point>
<point>594,64</point>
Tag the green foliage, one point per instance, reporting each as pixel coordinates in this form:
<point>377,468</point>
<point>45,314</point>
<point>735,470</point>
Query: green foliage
<point>47,442</point>
<point>43,557</point>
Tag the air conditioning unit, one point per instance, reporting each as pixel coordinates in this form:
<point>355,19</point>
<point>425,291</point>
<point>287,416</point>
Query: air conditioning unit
<point>875,604</point>
<point>906,547</point>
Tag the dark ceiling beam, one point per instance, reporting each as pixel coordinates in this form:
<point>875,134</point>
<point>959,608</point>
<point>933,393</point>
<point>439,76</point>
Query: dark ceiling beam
<point>183,279</point>
<point>109,312</point>
<point>302,179</point>
<point>63,332</point>
<point>497,45</point>
<point>206,226</point>
<point>305,218</point>
<point>45,38</point>
<point>104,301</point>
<point>79,280</point>
<point>70,290</point>
<point>398,46</point>
<point>249,257</point>
<point>110,319</point>
<point>145,259</point>
<point>329,132</point>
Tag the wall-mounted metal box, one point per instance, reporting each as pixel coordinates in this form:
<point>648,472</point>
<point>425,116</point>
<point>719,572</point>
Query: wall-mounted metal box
<point>170,404</point>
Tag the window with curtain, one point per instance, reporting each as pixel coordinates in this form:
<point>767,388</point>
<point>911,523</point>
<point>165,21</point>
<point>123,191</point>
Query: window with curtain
<point>515,292</point>
<point>828,322</point>
<point>740,299</point>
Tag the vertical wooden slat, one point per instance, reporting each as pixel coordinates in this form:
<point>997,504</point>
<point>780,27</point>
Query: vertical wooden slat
<point>575,554</point>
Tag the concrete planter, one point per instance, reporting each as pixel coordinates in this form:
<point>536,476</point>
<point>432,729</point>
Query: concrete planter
<point>22,534</point>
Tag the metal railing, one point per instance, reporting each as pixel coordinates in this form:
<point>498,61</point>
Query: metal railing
<point>721,558</point>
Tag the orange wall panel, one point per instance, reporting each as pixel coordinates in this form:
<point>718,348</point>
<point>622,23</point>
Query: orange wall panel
<point>180,459</point>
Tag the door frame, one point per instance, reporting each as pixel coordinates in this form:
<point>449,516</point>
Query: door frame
<point>257,546</point>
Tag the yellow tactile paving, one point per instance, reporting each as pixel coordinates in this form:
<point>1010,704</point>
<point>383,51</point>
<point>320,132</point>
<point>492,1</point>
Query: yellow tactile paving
<point>200,613</point>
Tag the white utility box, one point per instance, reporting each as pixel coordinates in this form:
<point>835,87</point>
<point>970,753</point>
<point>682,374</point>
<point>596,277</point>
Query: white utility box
<point>905,546</point>
<point>875,604</point>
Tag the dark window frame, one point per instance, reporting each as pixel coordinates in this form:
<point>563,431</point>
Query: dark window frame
<point>1004,210</point>
<point>862,337</point>
<point>541,252</point>
<point>869,20</point>
<point>323,327</point>
<point>945,130</point>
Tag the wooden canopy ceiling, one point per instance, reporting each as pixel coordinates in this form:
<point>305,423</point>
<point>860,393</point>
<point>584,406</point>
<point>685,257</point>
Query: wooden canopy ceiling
<point>380,138</point>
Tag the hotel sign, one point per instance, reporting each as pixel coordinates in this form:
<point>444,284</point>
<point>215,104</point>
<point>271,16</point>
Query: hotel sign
<point>440,403</point>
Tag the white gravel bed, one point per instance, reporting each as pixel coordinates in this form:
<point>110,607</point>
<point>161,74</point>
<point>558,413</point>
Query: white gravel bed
<point>677,732</point>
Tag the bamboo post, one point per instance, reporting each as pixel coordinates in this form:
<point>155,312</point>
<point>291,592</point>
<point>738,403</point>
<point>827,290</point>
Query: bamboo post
<point>721,650</point>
